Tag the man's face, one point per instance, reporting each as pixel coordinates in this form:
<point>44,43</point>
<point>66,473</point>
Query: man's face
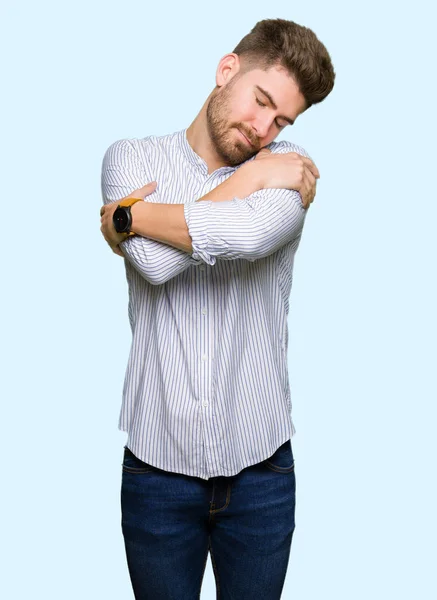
<point>241,109</point>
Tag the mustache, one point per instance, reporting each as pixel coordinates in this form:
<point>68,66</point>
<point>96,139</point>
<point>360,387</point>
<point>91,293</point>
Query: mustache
<point>249,136</point>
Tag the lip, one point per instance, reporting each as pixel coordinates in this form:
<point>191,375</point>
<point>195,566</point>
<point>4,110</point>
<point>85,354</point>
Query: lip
<point>245,138</point>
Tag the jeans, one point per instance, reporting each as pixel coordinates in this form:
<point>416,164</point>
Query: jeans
<point>170,522</point>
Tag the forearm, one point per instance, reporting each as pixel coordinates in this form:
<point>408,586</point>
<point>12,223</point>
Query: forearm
<point>155,261</point>
<point>163,223</point>
<point>251,227</point>
<point>244,228</point>
<point>242,183</point>
<point>166,222</point>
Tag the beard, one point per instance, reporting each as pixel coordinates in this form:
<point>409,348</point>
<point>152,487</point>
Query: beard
<point>225,140</point>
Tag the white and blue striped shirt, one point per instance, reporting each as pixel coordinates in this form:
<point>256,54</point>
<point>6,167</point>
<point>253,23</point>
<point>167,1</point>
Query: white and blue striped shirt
<point>206,390</point>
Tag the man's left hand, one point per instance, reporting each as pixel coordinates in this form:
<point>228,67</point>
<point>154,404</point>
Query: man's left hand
<point>107,210</point>
<point>108,230</point>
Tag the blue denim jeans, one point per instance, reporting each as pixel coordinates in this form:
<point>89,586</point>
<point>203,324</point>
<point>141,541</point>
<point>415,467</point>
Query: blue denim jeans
<point>171,521</point>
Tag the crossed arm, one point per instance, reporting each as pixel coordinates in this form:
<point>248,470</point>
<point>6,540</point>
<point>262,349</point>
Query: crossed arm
<point>167,222</point>
<point>170,237</point>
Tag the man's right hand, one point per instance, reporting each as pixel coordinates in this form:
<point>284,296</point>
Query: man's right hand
<point>290,171</point>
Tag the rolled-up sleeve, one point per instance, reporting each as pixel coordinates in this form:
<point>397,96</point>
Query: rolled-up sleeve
<point>249,228</point>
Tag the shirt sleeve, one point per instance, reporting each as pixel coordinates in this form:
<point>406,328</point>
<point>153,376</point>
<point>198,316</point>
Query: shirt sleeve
<point>249,228</point>
<point>122,173</point>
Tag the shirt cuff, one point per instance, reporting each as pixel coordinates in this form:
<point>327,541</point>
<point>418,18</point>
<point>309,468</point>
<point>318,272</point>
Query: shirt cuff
<point>196,216</point>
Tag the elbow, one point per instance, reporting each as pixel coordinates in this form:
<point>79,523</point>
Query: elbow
<point>258,248</point>
<point>152,280</point>
<point>151,277</point>
<point>148,271</point>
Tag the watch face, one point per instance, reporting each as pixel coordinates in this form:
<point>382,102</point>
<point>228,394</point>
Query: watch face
<point>121,220</point>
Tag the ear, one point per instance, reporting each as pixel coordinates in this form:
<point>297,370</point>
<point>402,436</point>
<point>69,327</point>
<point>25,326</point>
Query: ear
<point>228,66</point>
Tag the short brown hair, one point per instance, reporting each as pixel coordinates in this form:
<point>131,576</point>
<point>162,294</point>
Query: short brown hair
<point>277,42</point>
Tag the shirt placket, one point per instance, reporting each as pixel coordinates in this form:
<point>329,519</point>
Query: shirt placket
<point>212,431</point>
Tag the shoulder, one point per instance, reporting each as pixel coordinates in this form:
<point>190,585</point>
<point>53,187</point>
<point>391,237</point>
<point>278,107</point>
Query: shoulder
<point>129,146</point>
<point>285,146</point>
<point>148,154</point>
<point>139,152</point>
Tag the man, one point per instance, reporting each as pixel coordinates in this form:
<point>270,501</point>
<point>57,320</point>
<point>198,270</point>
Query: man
<point>208,463</point>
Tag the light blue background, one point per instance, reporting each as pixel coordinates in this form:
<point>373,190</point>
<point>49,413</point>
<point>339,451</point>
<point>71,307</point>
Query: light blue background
<point>362,356</point>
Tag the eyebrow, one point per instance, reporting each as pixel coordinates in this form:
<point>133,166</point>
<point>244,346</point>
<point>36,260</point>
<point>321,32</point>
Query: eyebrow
<point>273,103</point>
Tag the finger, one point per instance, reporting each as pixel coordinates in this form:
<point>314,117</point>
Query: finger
<point>311,166</point>
<point>307,185</point>
<point>309,176</point>
<point>307,162</point>
<point>310,189</point>
<point>263,152</point>
<point>312,186</point>
<point>147,189</point>
<point>302,193</point>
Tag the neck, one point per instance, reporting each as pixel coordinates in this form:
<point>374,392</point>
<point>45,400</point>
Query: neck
<point>199,140</point>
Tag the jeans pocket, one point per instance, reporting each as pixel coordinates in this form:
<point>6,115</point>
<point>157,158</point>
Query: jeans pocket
<point>132,464</point>
<point>282,460</point>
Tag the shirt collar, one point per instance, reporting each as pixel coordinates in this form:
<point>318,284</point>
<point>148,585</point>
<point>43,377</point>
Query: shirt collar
<point>189,153</point>
<point>197,160</point>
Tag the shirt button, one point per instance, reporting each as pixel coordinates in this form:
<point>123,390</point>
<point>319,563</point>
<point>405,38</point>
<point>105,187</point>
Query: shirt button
<point>202,268</point>
<point>204,311</point>
<point>204,357</point>
<point>205,403</point>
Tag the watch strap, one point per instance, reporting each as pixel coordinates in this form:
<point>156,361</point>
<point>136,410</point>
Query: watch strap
<point>129,202</point>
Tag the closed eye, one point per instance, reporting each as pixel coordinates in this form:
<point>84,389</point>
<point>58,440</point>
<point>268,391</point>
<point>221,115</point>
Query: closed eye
<point>276,122</point>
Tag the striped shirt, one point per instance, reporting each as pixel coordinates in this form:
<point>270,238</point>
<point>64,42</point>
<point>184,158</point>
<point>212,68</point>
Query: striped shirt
<point>206,391</point>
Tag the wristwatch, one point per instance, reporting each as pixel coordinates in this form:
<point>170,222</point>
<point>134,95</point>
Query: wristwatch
<point>122,217</point>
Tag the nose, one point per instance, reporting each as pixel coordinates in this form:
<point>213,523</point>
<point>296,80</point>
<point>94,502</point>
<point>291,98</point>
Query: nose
<point>261,126</point>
